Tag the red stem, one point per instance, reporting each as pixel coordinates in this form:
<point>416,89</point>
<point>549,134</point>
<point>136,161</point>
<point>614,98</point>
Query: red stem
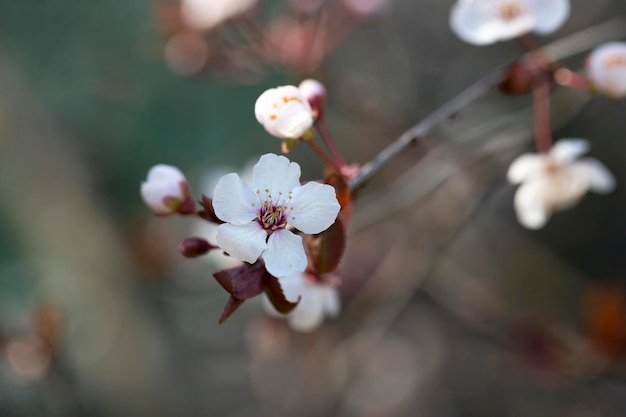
<point>330,143</point>
<point>320,152</point>
<point>541,108</point>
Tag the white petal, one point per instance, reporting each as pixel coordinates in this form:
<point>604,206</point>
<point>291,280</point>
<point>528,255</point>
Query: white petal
<point>234,201</point>
<point>525,166</point>
<point>275,174</point>
<point>245,242</point>
<point>602,180</point>
<point>306,321</point>
<point>551,14</point>
<point>331,300</point>
<point>568,150</point>
<point>478,22</point>
<point>530,205</point>
<point>309,314</point>
<point>154,195</point>
<point>605,70</point>
<point>284,254</point>
<point>294,120</point>
<point>315,207</point>
<point>264,105</point>
<point>165,173</point>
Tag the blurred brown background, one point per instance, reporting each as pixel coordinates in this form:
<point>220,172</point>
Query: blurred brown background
<point>450,307</point>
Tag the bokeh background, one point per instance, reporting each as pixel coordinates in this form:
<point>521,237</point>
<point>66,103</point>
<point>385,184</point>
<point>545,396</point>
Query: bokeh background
<point>450,307</point>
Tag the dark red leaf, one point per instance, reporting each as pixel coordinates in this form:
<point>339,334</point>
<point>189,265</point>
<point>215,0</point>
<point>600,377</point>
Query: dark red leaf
<point>243,282</point>
<point>207,212</point>
<point>327,248</point>
<point>232,305</point>
<point>276,296</point>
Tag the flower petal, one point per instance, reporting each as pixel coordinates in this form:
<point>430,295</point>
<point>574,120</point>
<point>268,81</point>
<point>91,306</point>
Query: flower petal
<point>568,150</point>
<point>243,242</point>
<point>309,314</point>
<point>284,254</point>
<point>315,207</point>
<point>275,174</point>
<point>294,120</point>
<point>234,201</point>
<point>165,173</point>
<point>602,180</point>
<point>551,14</point>
<point>155,193</point>
<point>530,205</point>
<point>330,300</point>
<point>525,166</point>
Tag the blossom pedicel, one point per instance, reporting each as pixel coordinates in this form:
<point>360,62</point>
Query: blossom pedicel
<point>607,69</point>
<point>284,112</point>
<point>556,181</point>
<point>166,190</point>
<point>482,22</point>
<point>258,216</point>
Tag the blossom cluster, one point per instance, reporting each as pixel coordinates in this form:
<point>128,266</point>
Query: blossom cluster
<point>290,236</point>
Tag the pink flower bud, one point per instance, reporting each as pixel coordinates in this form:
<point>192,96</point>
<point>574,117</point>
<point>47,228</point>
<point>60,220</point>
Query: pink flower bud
<point>192,247</point>
<point>315,93</point>
<point>166,190</point>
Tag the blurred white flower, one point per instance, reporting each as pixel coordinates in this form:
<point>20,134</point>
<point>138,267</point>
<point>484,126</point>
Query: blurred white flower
<point>318,301</point>
<point>607,69</point>
<point>284,112</point>
<point>207,14</point>
<point>366,8</point>
<point>257,215</point>
<point>482,22</point>
<point>556,181</point>
<point>165,189</point>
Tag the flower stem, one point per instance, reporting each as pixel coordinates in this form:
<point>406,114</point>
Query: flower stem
<point>571,79</point>
<point>330,143</point>
<point>323,155</point>
<point>573,44</point>
<point>541,109</point>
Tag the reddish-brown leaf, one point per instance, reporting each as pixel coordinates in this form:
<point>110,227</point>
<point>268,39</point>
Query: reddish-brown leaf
<point>243,282</point>
<point>232,305</point>
<point>207,212</point>
<point>327,248</point>
<point>275,294</point>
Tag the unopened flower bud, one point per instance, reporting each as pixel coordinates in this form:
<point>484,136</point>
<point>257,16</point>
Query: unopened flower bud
<point>607,69</point>
<point>284,112</point>
<point>315,93</point>
<point>166,190</point>
<point>192,247</point>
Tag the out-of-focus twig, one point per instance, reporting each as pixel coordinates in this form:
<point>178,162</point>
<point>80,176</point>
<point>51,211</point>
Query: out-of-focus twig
<point>560,49</point>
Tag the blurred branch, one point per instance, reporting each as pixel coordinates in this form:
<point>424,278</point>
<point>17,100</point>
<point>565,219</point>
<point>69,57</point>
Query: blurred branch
<point>560,49</point>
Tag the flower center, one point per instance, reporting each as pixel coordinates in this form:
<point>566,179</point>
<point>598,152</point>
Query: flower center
<point>615,60</point>
<point>509,10</point>
<point>273,215</point>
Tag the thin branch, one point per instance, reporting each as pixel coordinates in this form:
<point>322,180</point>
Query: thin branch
<point>560,49</point>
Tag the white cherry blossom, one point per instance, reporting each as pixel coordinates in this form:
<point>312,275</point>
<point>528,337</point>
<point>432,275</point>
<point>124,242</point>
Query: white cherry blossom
<point>482,22</point>
<point>556,181</point>
<point>259,215</point>
<point>318,301</point>
<point>207,14</point>
<point>607,69</point>
<point>165,189</point>
<point>284,112</point>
